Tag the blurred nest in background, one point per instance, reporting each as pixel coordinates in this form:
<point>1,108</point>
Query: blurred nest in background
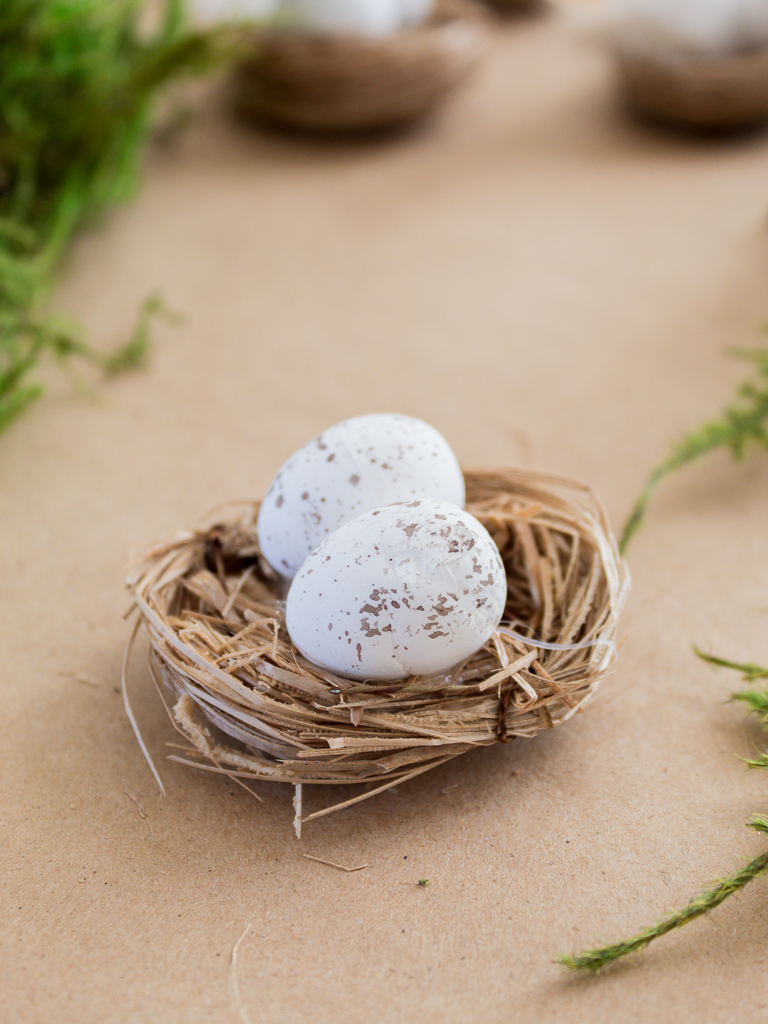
<point>249,705</point>
<point>697,92</point>
<point>345,82</point>
<point>518,6</point>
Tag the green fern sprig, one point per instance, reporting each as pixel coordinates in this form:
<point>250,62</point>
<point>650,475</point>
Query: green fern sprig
<point>595,960</point>
<point>749,672</point>
<point>78,80</point>
<point>739,426</point>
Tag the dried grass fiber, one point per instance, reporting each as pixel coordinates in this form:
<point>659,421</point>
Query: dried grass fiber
<point>722,93</point>
<point>354,83</point>
<point>250,705</point>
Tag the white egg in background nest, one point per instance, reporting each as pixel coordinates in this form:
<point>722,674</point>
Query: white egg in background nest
<point>363,17</point>
<point>212,11</point>
<point>356,465</point>
<point>416,12</point>
<point>412,588</point>
<point>708,27</point>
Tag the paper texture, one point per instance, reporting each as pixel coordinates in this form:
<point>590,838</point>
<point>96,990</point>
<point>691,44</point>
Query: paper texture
<point>550,285</point>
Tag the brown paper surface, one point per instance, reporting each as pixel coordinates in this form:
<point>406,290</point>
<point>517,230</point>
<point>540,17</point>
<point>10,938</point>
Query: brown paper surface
<point>552,286</point>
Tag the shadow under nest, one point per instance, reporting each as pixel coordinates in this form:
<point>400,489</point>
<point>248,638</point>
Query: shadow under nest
<point>249,705</point>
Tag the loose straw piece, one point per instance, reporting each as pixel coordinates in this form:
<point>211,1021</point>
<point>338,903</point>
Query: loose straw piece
<point>129,712</point>
<point>252,707</point>
<point>297,798</point>
<point>541,644</point>
<point>142,813</point>
<point>333,864</point>
<point>235,987</point>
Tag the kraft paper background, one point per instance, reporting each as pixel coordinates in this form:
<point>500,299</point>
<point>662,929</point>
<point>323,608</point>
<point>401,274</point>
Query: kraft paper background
<point>552,286</point>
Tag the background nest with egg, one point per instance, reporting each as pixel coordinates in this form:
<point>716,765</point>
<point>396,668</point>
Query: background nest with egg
<point>249,705</point>
<point>346,83</point>
<point>721,94</point>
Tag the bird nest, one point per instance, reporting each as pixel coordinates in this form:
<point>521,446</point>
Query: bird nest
<point>348,82</point>
<point>249,705</point>
<point>515,7</point>
<point>696,92</point>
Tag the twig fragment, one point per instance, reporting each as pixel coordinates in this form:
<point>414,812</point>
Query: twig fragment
<point>140,809</point>
<point>333,864</point>
<point>235,987</point>
<point>78,678</point>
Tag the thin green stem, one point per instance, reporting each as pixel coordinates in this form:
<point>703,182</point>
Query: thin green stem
<point>594,960</point>
<point>738,426</point>
<point>757,701</point>
<point>748,670</point>
<point>636,516</point>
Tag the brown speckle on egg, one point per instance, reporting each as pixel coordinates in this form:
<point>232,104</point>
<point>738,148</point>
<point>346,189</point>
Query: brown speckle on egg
<point>447,624</point>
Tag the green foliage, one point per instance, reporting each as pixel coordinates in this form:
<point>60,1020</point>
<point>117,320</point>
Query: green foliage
<point>748,671</point>
<point>594,960</point>
<point>757,701</point>
<point>77,82</point>
<point>739,425</point>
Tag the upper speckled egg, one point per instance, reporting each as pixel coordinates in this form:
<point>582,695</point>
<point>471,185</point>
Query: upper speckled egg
<point>356,465</point>
<point>409,589</point>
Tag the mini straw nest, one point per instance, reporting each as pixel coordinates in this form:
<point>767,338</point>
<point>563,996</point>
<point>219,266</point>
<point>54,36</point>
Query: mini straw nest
<point>248,704</point>
<point>700,93</point>
<point>518,6</point>
<point>344,82</point>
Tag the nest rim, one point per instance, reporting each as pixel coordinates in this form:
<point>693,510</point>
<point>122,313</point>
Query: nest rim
<point>514,8</point>
<point>720,93</point>
<point>346,83</point>
<point>244,701</point>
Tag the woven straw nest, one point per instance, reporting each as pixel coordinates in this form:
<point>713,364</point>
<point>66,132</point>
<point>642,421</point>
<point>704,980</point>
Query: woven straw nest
<point>355,83</point>
<point>518,6</point>
<point>704,93</point>
<point>249,705</point>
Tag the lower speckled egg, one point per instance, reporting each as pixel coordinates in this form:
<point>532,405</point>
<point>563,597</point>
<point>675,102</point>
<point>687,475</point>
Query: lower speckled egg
<point>407,589</point>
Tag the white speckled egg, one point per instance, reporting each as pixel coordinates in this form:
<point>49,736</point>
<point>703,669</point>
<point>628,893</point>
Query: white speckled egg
<point>416,12</point>
<point>364,17</point>
<point>210,11</point>
<point>408,589</point>
<point>356,465</point>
